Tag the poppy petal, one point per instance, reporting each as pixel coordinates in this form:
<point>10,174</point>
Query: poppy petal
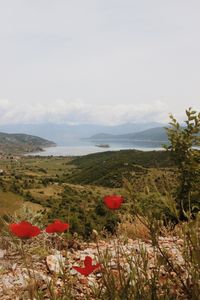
<point>24,229</point>
<point>57,226</point>
<point>113,201</point>
<point>88,261</point>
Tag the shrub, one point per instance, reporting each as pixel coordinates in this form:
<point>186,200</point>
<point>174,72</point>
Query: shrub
<point>183,140</point>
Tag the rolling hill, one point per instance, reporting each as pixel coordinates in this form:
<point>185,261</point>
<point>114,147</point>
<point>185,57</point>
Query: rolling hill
<point>62,134</point>
<point>109,168</point>
<point>22,143</point>
<point>152,134</point>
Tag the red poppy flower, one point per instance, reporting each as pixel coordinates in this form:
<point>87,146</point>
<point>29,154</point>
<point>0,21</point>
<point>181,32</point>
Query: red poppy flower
<point>113,201</point>
<point>57,226</point>
<point>24,230</point>
<point>88,267</point>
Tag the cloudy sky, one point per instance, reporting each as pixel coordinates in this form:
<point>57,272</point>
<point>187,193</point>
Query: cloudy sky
<point>98,61</point>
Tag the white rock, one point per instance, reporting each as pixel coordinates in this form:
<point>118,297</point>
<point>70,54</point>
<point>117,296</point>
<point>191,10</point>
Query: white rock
<point>7,282</point>
<point>2,253</point>
<point>55,262</point>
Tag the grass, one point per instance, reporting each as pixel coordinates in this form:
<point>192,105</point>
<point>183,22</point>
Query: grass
<point>145,268</point>
<point>11,203</point>
<point>46,192</point>
<point>50,165</point>
<point>109,168</point>
<point>72,190</point>
<point>66,186</point>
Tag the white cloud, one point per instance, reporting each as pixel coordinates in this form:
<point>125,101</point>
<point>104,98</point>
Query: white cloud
<point>61,111</point>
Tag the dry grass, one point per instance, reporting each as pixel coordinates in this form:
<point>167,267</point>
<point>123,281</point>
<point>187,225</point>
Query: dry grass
<point>11,203</point>
<point>133,228</point>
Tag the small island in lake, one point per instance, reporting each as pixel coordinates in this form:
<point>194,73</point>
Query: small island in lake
<point>103,145</point>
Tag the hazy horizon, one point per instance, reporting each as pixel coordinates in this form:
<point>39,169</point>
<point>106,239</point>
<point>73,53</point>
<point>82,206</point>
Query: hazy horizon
<point>98,61</point>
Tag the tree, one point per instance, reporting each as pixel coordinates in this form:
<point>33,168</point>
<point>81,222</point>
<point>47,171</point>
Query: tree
<point>184,141</point>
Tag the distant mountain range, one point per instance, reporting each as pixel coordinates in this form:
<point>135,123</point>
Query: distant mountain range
<point>63,134</point>
<point>152,134</point>
<point>22,143</point>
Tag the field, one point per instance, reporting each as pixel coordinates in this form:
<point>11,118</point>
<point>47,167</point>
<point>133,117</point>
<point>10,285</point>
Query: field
<point>63,187</point>
<point>11,203</point>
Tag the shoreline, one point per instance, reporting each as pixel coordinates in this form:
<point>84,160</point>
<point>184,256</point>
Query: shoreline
<point>73,151</point>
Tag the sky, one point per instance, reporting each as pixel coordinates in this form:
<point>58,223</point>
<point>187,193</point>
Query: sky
<point>98,61</point>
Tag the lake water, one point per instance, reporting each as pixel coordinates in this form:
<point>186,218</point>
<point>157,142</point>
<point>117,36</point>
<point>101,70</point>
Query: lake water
<point>84,147</point>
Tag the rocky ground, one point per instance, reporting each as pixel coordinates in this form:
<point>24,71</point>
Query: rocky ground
<point>55,266</point>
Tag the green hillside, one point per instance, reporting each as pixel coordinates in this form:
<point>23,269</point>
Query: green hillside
<point>71,188</point>
<point>152,134</point>
<point>22,143</point>
<point>109,168</point>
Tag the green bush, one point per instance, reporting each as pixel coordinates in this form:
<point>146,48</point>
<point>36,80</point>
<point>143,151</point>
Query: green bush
<point>183,140</point>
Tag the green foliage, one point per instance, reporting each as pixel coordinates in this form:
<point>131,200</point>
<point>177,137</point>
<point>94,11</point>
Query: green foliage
<point>183,140</point>
<point>109,168</point>
<point>100,209</point>
<point>73,202</point>
<point>81,216</point>
<point>151,200</point>
<point>22,143</point>
<point>154,205</point>
<point>191,254</point>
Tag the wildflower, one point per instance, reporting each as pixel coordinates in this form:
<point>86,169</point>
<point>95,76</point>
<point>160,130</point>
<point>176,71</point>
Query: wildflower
<point>24,230</point>
<point>113,201</point>
<point>88,267</point>
<point>57,226</point>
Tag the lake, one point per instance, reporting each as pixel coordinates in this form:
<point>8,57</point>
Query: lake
<point>84,147</point>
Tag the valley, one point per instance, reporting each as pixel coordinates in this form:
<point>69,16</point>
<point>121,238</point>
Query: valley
<point>70,187</point>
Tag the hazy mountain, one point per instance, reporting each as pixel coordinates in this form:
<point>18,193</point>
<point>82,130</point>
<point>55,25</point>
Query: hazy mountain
<point>100,136</point>
<point>22,143</point>
<point>63,133</point>
<point>152,134</point>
